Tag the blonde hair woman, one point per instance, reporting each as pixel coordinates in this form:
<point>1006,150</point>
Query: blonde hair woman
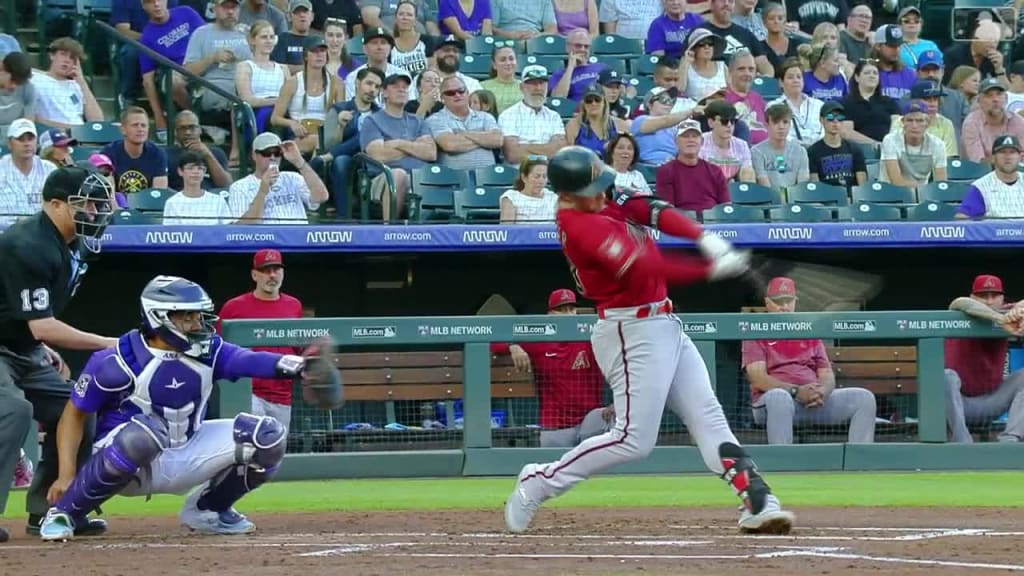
<point>529,201</point>
<point>259,81</point>
<point>594,126</point>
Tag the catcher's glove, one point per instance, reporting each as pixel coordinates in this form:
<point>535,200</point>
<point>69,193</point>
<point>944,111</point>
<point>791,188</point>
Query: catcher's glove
<point>321,380</point>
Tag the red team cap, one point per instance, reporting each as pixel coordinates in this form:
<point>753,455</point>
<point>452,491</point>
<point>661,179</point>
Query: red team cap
<point>267,257</point>
<point>781,287</point>
<point>561,297</point>
<point>987,283</point>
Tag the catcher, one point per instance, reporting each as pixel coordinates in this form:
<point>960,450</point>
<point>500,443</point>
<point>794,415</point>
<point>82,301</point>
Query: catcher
<point>150,393</point>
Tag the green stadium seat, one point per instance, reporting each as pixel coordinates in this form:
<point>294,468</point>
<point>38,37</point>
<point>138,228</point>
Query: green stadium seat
<point>482,45</point>
<point>873,168</point>
<point>615,45</point>
<point>616,63</point>
<point>870,212</point>
<point>552,63</point>
<point>566,108</point>
<point>150,199</point>
<point>478,204</point>
<point>932,211</point>
<point>733,213</point>
<point>883,193</point>
<point>871,152</point>
<point>800,213</point>
<point>101,133</point>
<point>649,171</point>
<point>355,46</point>
<point>222,192</point>
<point>476,66</point>
<point>768,87</point>
<point>438,176</point>
<point>644,66</point>
<point>432,204</point>
<point>959,170</point>
<point>946,192</point>
<point>82,153</point>
<point>818,193</point>
<point>497,176</point>
<point>547,45</point>
<point>135,218</point>
<point>747,193</point>
<point>642,85</point>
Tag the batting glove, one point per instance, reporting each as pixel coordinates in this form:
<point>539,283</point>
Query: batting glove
<point>713,246</point>
<point>730,265</point>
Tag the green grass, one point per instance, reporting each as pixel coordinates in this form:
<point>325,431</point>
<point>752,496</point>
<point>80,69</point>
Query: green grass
<point>953,489</point>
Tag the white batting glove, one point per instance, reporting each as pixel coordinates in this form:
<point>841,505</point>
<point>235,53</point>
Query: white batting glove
<point>713,246</point>
<point>730,265</point>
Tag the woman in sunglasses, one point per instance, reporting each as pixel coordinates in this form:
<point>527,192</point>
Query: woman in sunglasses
<point>339,62</point>
<point>806,110</point>
<point>594,126</point>
<point>868,112</point>
<point>699,73</point>
<point>529,201</point>
<point>503,82</point>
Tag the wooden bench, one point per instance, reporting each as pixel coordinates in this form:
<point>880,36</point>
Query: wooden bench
<point>884,370</point>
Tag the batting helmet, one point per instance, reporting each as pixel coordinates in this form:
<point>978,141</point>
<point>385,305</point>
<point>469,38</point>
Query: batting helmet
<point>578,170</point>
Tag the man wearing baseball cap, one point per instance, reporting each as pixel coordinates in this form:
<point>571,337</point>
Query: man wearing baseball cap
<point>24,170</point>
<point>931,94</point>
<point>953,105</point>
<point>269,196</point>
<point>377,45</point>
<point>792,382</point>
<point>912,157</point>
<point>689,182</point>
<point>266,301</point>
<point>894,80</point>
<point>655,130</point>
<point>989,120</point>
<point>569,383</point>
<point>976,390</point>
<point>913,46</point>
<point>292,44</point>
<point>612,83</point>
<point>529,127</point>
<point>1000,193</point>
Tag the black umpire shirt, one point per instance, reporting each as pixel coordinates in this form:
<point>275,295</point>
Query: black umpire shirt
<point>39,273</point>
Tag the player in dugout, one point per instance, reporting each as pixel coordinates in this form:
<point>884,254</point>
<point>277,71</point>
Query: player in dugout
<point>569,382</point>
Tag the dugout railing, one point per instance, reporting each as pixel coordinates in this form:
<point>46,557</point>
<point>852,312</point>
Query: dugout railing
<point>478,454</point>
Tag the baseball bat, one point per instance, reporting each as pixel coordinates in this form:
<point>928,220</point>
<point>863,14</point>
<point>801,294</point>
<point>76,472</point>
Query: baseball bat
<point>820,287</point>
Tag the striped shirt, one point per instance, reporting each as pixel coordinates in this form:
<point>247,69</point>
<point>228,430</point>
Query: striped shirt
<point>20,190</point>
<point>990,197</point>
<point>206,210</point>
<point>285,204</point>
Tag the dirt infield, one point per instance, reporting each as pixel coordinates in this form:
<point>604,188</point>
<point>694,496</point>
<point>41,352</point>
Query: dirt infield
<point>614,541</point>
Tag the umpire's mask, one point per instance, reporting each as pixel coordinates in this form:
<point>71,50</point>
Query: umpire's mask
<point>89,197</point>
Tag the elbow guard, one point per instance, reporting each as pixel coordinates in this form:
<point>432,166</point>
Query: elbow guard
<point>657,206</point>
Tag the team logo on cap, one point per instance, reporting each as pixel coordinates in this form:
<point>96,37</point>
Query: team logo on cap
<point>989,282</point>
<point>1007,141</point>
<point>896,32</point>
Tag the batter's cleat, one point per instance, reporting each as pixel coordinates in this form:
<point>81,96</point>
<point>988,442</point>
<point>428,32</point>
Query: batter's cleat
<point>57,526</point>
<point>519,507</point>
<point>228,523</point>
<point>772,519</point>
<point>88,527</point>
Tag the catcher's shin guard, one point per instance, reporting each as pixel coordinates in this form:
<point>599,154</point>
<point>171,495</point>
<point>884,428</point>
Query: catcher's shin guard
<point>261,441</point>
<point>740,472</point>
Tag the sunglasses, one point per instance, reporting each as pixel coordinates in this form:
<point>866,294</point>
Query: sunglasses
<point>834,117</point>
<point>272,153</point>
<point>504,44</point>
<point>593,100</point>
<point>456,92</point>
<point>338,21</point>
<point>726,121</point>
<point>537,158</point>
<point>706,44</point>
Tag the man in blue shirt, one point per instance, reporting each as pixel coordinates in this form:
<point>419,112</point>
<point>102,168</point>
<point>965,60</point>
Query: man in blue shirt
<point>138,163</point>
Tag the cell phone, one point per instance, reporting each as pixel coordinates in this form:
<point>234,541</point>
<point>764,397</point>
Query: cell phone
<point>966,18</point>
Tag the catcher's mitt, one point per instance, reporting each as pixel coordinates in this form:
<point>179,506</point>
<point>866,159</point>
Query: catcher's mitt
<point>321,380</point>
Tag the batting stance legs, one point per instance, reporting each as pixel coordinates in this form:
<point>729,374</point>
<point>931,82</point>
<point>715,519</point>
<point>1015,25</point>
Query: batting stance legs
<point>649,363</point>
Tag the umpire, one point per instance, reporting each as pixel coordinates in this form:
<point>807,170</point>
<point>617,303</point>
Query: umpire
<point>43,262</point>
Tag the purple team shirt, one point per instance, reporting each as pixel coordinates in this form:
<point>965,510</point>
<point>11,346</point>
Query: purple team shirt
<point>175,389</point>
<point>896,83</point>
<point>670,35</point>
<point>169,39</point>
<point>835,89</point>
<point>973,204</point>
<point>582,78</point>
<point>471,24</point>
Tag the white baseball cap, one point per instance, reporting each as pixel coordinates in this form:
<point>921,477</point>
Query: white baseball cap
<point>688,125</point>
<point>266,140</point>
<point>20,127</point>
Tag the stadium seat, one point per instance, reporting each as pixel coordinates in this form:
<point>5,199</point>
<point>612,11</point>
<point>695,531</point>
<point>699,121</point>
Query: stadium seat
<point>476,66</point>
<point>818,193</point>
<point>96,133</point>
<point>566,108</point>
<point>884,193</point>
<point>931,211</point>
<point>871,152</point>
<point>959,170</point>
<point>733,213</point>
<point>355,46</point>
<point>870,212</point>
<point>947,192</point>
<point>800,213</point>
<point>873,167</point>
<point>644,66</point>
<point>135,218</point>
<point>546,45</point>
<point>616,63</point>
<point>768,87</point>
<point>437,176</point>
<point>615,45</point>
<point>478,204</point>
<point>642,85</point>
<point>649,171</point>
<point>552,63</point>
<point>82,153</point>
<point>150,199</point>
<point>497,176</point>
<point>430,203</point>
<point>747,193</point>
<point>481,45</point>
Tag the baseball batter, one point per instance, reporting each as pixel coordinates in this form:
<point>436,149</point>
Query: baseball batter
<point>639,344</point>
<point>150,392</point>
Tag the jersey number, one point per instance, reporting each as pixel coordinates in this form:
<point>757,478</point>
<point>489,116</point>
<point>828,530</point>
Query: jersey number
<point>38,299</point>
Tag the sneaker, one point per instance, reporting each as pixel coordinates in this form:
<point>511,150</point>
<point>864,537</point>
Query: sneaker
<point>83,527</point>
<point>229,522</point>
<point>57,526</point>
<point>23,473</point>
<point>519,507</point>
<point>772,519</point>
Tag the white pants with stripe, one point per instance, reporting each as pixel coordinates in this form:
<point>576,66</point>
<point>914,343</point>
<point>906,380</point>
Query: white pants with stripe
<point>649,364</point>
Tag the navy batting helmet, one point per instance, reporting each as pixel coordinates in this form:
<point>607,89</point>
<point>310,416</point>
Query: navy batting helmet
<point>578,170</point>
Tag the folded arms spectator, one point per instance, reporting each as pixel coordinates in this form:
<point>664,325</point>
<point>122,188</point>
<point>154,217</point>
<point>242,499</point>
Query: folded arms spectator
<point>465,138</point>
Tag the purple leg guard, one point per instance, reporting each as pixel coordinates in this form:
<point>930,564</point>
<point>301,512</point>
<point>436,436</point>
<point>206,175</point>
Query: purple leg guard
<point>108,471</point>
<point>261,441</point>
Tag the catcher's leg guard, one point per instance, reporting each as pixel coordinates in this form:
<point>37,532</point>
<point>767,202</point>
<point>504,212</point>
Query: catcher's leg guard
<point>261,446</point>
<point>740,472</point>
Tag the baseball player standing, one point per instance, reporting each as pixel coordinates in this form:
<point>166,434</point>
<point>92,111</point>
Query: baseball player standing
<point>639,344</point>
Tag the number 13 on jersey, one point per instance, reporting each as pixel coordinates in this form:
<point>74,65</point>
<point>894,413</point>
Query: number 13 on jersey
<point>35,300</point>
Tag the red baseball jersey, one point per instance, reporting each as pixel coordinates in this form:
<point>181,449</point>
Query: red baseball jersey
<point>248,306</point>
<point>569,382</point>
<point>792,361</point>
<point>978,361</point>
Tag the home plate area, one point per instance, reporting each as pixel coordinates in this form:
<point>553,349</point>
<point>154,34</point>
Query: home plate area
<point>594,541</point>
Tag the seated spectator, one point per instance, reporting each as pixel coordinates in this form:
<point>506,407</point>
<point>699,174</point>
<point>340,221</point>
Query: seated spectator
<point>778,161</point>
<point>594,126</point>
<point>291,46</point>
<point>854,40</point>
<point>656,131</point>
<point>529,201</point>
<point>779,45</point>
<point>746,14</point>
<point>791,382</point>
<point>720,148</point>
<point>869,113</point>
<point>529,127</point>
<point>484,101</point>
<point>913,45</point>
<point>259,80</point>
<point>139,163</point>
<point>269,196</point>
<point>167,33</point>
<point>914,157</point>
<point>1000,193</point>
<point>448,56</point>
<point>383,14</point>
<point>305,98</point>
<point>689,182</point>
<point>569,383</point>
<point>705,75</point>
<point>977,389</point>
<point>466,139</point>
<point>1015,89</point>
<point>56,147</point>
<point>988,121</point>
<point>341,131</point>
<point>823,79</point>
<point>741,94</point>
<point>17,95</point>
<point>952,105</point>
<point>805,110</point>
<point>428,91</point>
<point>413,51</point>
<point>982,53</point>
<point>503,82</point>
<point>22,173</point>
<point>129,18</point>
<point>622,154</point>
<point>192,205</point>
<point>63,96</point>
<point>339,62</point>
<point>187,138</point>
<point>667,34</point>
<point>579,74</point>
<point>736,37</point>
<point>614,92</point>
<point>894,79</point>
<point>930,93</point>
<point>252,11</point>
<point>523,19</point>
<point>397,139</point>
<point>452,19</point>
<point>629,18</point>
<point>377,44</point>
<point>575,15</point>
<point>833,160</point>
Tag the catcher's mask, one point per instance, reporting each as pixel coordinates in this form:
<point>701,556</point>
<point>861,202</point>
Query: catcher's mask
<point>180,313</point>
<point>579,171</point>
